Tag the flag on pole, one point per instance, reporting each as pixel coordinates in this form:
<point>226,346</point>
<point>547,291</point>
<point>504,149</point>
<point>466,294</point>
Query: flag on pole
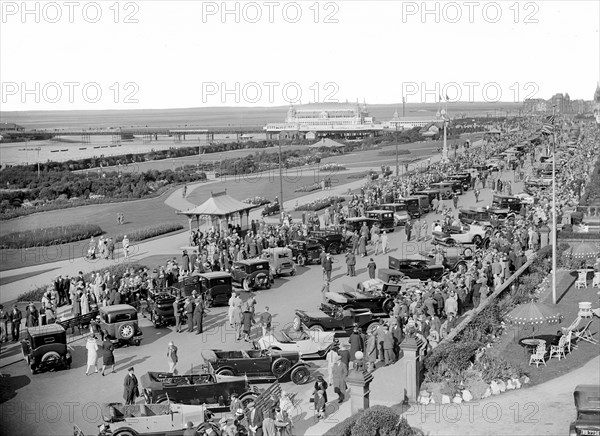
<point>548,125</point>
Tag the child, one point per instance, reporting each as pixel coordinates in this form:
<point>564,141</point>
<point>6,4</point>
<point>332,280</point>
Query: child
<point>320,404</point>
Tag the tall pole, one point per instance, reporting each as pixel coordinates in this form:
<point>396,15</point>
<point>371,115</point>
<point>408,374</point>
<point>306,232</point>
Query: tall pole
<point>553,210</point>
<point>397,162</point>
<point>280,185</point>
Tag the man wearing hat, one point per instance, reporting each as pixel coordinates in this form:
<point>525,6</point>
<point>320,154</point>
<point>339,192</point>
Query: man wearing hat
<point>327,265</point>
<point>190,430</point>
<point>130,385</point>
<point>255,420</point>
<point>356,342</point>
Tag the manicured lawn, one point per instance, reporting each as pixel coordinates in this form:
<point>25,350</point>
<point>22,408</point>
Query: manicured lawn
<point>7,280</point>
<point>568,306</point>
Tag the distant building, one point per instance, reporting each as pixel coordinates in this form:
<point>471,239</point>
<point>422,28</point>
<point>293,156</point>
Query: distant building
<point>535,105</point>
<point>11,127</point>
<point>320,120</point>
<point>400,123</point>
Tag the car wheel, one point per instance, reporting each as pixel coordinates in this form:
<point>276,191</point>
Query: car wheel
<point>245,285</point>
<point>317,328</point>
<point>225,372</point>
<point>300,375</point>
<point>301,260</point>
<point>127,432</point>
<point>477,240</point>
<point>262,279</point>
<point>126,331</point>
<point>247,399</point>
<point>280,366</point>
<point>388,305</point>
<point>50,358</point>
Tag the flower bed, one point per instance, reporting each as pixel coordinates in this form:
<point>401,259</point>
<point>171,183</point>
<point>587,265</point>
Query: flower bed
<point>319,204</point>
<point>49,236</point>
<point>150,232</point>
<point>257,201</point>
<point>332,167</point>
<point>308,188</point>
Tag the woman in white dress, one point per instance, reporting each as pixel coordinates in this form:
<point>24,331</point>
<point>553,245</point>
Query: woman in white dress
<point>92,354</point>
<point>85,303</point>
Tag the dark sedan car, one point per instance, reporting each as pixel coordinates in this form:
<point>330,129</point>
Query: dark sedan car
<point>331,241</point>
<point>259,365</point>
<point>308,251</point>
<point>587,403</point>
<point>417,268</point>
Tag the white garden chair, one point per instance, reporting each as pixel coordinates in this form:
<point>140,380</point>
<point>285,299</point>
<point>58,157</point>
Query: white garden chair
<point>539,356</point>
<point>584,334</point>
<point>596,280</point>
<point>581,280</point>
<point>558,350</point>
<point>569,341</point>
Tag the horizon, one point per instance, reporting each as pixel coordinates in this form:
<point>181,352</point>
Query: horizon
<point>196,55</point>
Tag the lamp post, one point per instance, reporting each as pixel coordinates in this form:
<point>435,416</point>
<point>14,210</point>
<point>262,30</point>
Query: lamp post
<point>280,185</point>
<point>553,209</point>
<point>445,147</point>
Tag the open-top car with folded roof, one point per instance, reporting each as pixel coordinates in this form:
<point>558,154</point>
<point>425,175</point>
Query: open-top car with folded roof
<point>153,419</point>
<point>333,317</point>
<point>465,234</point>
<point>259,365</point>
<point>309,343</point>
<point>417,267</point>
<point>207,388</point>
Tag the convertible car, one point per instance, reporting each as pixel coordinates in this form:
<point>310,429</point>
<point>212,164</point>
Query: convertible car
<point>152,419</point>
<point>205,388</point>
<point>259,365</point>
<point>309,343</point>
<point>467,234</point>
<point>335,318</point>
<point>376,301</point>
<point>417,267</point>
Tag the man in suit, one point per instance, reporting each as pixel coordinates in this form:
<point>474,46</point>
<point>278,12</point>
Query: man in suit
<point>130,385</point>
<point>15,319</point>
<point>189,313</point>
<point>255,420</point>
<point>199,314</point>
<point>408,229</point>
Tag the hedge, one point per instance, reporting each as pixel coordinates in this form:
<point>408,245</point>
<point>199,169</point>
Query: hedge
<point>577,236</point>
<point>317,205</point>
<point>374,421</point>
<point>150,232</point>
<point>49,236</point>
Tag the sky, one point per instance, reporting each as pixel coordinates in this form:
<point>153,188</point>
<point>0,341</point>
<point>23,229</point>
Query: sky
<point>73,55</point>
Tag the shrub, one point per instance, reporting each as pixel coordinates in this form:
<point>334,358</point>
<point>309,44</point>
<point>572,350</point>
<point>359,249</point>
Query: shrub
<point>320,204</point>
<point>496,367</point>
<point>377,421</point>
<point>49,236</point>
<point>150,231</point>
<point>573,235</point>
<point>449,359</point>
<point>344,428</point>
<point>308,188</point>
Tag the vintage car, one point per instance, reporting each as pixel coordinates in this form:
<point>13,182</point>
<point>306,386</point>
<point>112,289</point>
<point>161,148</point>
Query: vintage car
<point>375,301</point>
<point>259,365</point>
<point>270,209</point>
<point>466,234</point>
<point>417,267</point>
<point>587,403</point>
<point>121,323</point>
<point>535,185</point>
<point>482,215</point>
<point>445,188</point>
<point>162,311</point>
<point>309,343</point>
<point>280,260</point>
<point>216,287</point>
<point>354,224</point>
<point>430,193</point>
<point>204,388</point>
<point>252,274</point>
<point>332,317</point>
<point>506,202</point>
<point>417,205</point>
<point>454,258</point>
<point>525,198</point>
<point>465,179</point>
<point>187,286</point>
<point>45,348</point>
<point>400,210</point>
<point>332,241</point>
<point>308,251</point>
<point>153,419</point>
<point>457,185</point>
<point>385,219</point>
